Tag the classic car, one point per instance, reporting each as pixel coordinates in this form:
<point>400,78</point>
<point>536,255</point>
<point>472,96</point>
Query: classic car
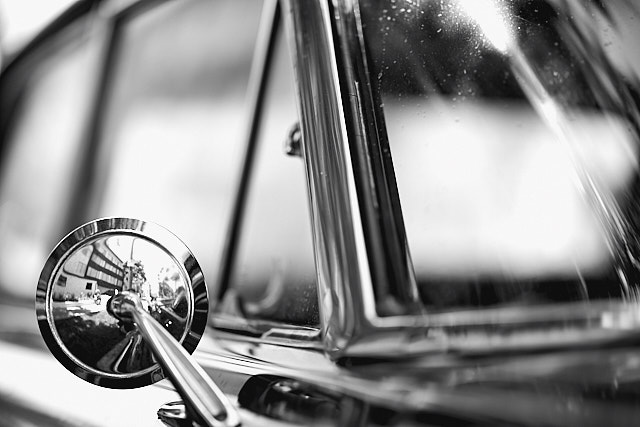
<point>388,212</point>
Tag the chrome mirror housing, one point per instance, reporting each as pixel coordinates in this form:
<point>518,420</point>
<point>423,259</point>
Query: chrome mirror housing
<point>121,303</point>
<point>90,272</point>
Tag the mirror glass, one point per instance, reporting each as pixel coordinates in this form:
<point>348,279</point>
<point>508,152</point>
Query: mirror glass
<point>96,271</point>
<point>98,261</point>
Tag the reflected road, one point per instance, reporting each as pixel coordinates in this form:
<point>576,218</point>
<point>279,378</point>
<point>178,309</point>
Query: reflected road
<point>66,309</point>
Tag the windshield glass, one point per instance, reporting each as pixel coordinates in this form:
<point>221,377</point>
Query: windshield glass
<point>513,129</point>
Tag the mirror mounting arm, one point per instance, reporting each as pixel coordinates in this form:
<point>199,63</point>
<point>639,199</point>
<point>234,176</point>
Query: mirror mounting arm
<point>204,399</point>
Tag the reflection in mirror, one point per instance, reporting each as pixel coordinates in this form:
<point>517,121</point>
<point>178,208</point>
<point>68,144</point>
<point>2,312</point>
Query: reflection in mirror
<point>155,315</point>
<point>115,290</point>
<point>100,269</point>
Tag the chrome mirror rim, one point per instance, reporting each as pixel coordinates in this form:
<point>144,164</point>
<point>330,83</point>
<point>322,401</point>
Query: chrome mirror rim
<point>142,229</point>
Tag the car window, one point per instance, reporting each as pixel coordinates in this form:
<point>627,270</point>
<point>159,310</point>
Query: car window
<point>41,153</point>
<point>513,128</point>
<point>168,139</point>
<point>174,128</point>
<point>273,277</point>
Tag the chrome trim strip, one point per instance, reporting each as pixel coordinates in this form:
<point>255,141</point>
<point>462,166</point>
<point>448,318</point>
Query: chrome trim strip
<point>340,249</point>
<point>394,283</point>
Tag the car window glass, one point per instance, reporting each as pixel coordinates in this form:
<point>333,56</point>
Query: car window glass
<point>174,127</point>
<point>513,128</point>
<point>40,156</point>
<point>169,136</point>
<point>274,275</point>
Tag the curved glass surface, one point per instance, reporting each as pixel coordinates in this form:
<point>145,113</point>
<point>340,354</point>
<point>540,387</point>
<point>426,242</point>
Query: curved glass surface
<point>79,303</point>
<point>513,129</point>
<point>100,269</point>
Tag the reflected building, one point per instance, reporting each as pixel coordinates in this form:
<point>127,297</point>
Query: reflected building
<point>93,268</point>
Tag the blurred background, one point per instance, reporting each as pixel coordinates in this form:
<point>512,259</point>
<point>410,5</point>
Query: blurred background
<point>140,109</point>
<point>21,20</point>
<point>145,115</point>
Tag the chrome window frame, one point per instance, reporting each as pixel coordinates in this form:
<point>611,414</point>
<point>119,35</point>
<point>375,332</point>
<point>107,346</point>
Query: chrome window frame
<point>345,282</point>
<point>362,258</point>
<point>360,248</point>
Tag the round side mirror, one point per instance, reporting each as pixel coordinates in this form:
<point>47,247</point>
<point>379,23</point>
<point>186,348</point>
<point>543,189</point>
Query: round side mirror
<point>97,270</point>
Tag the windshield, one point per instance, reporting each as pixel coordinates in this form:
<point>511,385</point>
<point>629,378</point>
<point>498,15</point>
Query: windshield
<point>513,129</point>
